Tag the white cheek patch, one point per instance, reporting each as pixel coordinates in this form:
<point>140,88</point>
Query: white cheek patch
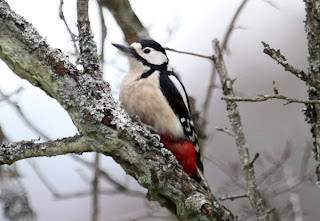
<point>179,87</point>
<point>156,57</point>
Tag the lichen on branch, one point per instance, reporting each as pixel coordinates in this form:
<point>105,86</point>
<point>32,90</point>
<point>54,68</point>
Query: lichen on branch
<point>104,126</point>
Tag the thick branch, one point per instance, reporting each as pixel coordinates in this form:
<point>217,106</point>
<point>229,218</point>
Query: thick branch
<point>91,106</point>
<point>12,152</point>
<point>126,18</point>
<point>312,113</point>
<point>257,202</point>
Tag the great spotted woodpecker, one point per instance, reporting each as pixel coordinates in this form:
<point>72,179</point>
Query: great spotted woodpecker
<point>158,97</point>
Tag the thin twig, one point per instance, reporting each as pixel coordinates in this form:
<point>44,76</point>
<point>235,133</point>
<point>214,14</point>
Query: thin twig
<point>225,130</point>
<point>6,97</point>
<point>95,189</point>
<point>43,178</point>
<point>253,160</point>
<point>102,173</point>
<point>23,116</point>
<point>232,24</point>
<point>103,35</point>
<point>211,86</point>
<point>305,160</point>
<point>83,193</point>
<point>72,35</point>
<point>272,4</point>
<point>233,197</point>
<point>267,97</point>
<point>189,53</point>
<point>294,197</point>
<point>224,168</point>
<point>276,165</point>
<point>207,100</point>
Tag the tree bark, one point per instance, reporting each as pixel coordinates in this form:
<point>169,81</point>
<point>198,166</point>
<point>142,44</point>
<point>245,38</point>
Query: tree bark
<point>90,104</point>
<point>312,28</point>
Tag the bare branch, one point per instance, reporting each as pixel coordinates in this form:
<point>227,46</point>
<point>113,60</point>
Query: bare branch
<point>95,189</point>
<point>212,86</point>
<point>126,18</point>
<point>272,4</point>
<point>257,202</point>
<point>72,35</point>
<point>225,130</point>
<point>294,197</point>
<point>88,48</point>
<point>312,111</point>
<point>231,25</point>
<point>253,160</point>
<point>24,118</point>
<point>189,53</point>
<point>267,97</point>
<point>103,35</point>
<point>63,196</point>
<point>5,97</point>
<point>11,152</point>
<point>102,173</point>
<point>233,197</point>
<point>276,165</point>
<point>277,56</point>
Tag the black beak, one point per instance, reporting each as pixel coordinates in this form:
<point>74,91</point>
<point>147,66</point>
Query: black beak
<point>125,49</point>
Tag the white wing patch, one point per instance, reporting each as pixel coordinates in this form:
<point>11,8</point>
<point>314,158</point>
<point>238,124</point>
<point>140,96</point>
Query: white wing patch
<point>179,87</point>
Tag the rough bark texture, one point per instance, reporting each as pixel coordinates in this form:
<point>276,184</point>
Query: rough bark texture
<point>89,102</point>
<point>312,28</point>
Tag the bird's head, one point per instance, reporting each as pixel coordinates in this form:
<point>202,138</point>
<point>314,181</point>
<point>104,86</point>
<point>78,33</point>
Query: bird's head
<point>147,52</point>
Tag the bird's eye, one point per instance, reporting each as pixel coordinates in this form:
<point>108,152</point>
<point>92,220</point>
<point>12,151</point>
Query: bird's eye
<point>147,51</point>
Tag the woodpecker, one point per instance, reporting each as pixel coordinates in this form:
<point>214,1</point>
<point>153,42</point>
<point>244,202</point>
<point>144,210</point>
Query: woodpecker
<point>158,97</point>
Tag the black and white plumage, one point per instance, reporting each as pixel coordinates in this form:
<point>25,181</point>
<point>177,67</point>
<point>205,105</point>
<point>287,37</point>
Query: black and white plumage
<point>159,98</point>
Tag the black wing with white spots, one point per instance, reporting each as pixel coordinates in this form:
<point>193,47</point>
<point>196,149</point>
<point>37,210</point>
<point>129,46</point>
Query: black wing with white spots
<point>176,95</point>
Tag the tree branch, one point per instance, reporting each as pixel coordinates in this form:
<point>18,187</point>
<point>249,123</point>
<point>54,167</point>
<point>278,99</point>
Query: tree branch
<point>277,56</point>
<point>126,18</point>
<point>231,25</point>
<point>270,97</point>
<point>312,24</point>
<point>88,48</point>
<point>12,152</point>
<point>189,53</point>
<point>257,202</point>
<point>233,197</point>
<point>91,106</point>
<point>23,117</point>
<point>72,35</point>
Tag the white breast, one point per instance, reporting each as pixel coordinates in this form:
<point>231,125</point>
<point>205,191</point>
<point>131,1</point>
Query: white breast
<point>144,98</point>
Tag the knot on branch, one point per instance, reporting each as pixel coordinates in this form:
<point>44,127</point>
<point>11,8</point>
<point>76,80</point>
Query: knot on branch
<point>198,202</point>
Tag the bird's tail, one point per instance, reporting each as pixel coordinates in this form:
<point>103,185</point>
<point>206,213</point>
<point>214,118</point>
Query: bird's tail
<point>202,180</point>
